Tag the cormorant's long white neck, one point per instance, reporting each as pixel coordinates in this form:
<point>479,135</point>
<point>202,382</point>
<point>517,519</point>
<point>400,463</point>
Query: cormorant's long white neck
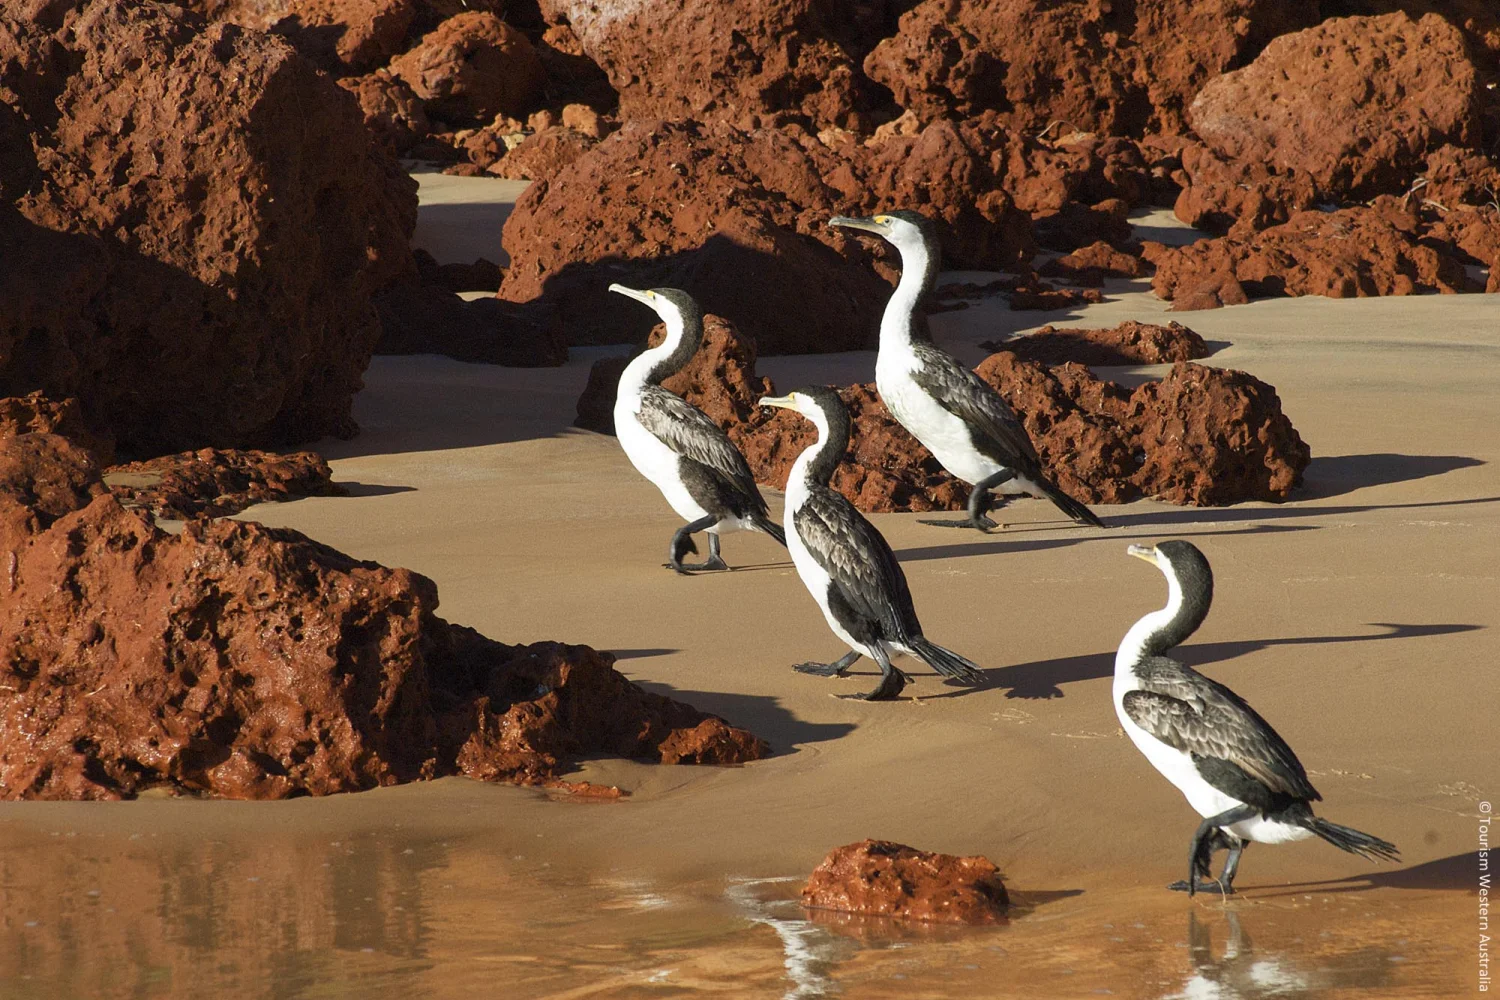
<point>815,465</point>
<point>1153,634</point>
<point>656,363</point>
<point>918,270</point>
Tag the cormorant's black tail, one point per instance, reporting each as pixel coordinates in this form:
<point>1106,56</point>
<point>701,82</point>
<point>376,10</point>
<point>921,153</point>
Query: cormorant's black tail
<point>1346,839</point>
<point>946,661</point>
<point>763,523</point>
<point>1068,505</point>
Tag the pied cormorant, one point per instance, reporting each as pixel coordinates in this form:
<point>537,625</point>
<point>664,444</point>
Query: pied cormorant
<point>676,446</point>
<point>957,415</point>
<point>846,564</point>
<point>1228,761</point>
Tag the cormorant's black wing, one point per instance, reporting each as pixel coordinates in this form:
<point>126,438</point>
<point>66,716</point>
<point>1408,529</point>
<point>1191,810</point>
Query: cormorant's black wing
<point>964,394</point>
<point>689,432</point>
<point>1191,713</point>
<point>859,561</point>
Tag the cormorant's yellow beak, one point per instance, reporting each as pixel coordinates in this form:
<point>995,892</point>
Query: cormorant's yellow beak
<point>788,402</point>
<point>874,224</point>
<point>645,297</point>
<point>1146,552</point>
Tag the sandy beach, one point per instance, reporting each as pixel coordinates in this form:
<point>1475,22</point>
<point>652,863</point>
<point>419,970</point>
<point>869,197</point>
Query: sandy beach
<point>1359,619</point>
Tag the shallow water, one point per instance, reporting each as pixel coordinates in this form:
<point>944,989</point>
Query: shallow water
<point>411,895</point>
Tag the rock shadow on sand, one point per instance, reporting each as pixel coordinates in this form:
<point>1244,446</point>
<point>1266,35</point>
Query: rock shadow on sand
<point>1043,678</point>
<point>1333,475</point>
<point>763,715</point>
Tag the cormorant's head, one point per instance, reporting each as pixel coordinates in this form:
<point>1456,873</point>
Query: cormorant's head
<point>903,227</point>
<point>1180,560</point>
<point>811,401</point>
<point>669,303</point>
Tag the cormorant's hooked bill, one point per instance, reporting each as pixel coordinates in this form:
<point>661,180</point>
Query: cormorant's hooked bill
<point>878,224</point>
<point>640,296</point>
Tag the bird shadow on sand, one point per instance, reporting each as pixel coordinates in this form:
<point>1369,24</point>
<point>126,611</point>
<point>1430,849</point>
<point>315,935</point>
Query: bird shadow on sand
<point>354,488</point>
<point>1013,541</point>
<point>1455,872</point>
<point>1043,679</point>
<point>761,714</point>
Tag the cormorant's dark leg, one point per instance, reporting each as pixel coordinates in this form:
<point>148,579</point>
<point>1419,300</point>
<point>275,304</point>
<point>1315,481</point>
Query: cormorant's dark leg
<point>682,544</point>
<point>837,668</point>
<point>891,679</point>
<point>980,501</point>
<point>1232,866</point>
<point>1200,853</point>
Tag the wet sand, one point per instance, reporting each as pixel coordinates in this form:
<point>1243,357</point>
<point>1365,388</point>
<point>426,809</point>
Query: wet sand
<point>1359,619</point>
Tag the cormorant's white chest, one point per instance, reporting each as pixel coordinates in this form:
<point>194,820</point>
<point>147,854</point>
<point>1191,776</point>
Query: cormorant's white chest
<point>651,457</point>
<point>941,432</point>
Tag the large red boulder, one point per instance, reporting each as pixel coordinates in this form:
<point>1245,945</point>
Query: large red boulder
<point>880,878</point>
<point>248,662</point>
<point>729,59</point>
<point>216,482</point>
<point>193,220</point>
<point>1354,103</point>
<point>473,67</point>
<point>338,35</point>
<point>1119,68</point>
<point>739,219</point>
<point>1381,249</point>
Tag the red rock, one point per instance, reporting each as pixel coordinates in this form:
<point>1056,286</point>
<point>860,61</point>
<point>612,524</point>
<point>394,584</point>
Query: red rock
<point>1457,178</point>
<point>214,482</point>
<point>247,662</point>
<point>584,120</point>
<point>1130,343</point>
<point>1472,235</point>
<point>392,112</point>
<point>737,62</point>
<point>35,413</point>
<point>202,276</point>
<point>739,218</point>
<point>473,67</point>
<point>1355,103</point>
<point>1092,264</point>
<point>1364,251</point>
<point>543,154</point>
<point>571,74</point>
<point>1120,68</point>
<point>338,35</point>
<point>886,879</point>
<point>481,276</point>
<point>1238,197</point>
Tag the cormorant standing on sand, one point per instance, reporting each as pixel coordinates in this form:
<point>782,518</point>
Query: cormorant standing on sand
<point>846,564</point>
<point>676,446</point>
<point>958,416</point>
<point>1228,761</point>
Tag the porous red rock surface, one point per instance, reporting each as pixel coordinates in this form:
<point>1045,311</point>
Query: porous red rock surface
<point>1355,103</point>
<point>1130,343</point>
<point>542,154</point>
<point>393,114</point>
<point>1223,429</point>
<point>193,220</point>
<point>1353,252</point>
<point>248,662</point>
<point>882,878</point>
<point>740,219</point>
<point>1120,68</point>
<point>1239,197</point>
<point>711,59</point>
<point>1199,435</point>
<point>215,482</point>
<point>338,35</point>
<point>472,67</point>
<point>1092,264</point>
<point>36,414</point>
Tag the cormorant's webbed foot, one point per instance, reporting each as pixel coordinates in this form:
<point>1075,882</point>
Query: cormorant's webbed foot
<point>682,544</point>
<point>981,523</point>
<point>891,682</point>
<point>1211,833</point>
<point>838,668</point>
<point>1202,885</point>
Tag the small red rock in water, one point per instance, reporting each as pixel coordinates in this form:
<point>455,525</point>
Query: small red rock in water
<point>1356,103</point>
<point>1130,343</point>
<point>215,482</point>
<point>472,67</point>
<point>248,662</point>
<point>886,879</point>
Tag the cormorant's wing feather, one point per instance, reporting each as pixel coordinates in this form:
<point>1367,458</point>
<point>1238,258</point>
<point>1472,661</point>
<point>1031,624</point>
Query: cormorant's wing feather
<point>974,401</point>
<point>1196,715</point>
<point>858,560</point>
<point>689,432</point>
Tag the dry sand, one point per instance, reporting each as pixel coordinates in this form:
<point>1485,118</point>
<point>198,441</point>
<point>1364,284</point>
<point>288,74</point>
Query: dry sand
<point>1359,619</point>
